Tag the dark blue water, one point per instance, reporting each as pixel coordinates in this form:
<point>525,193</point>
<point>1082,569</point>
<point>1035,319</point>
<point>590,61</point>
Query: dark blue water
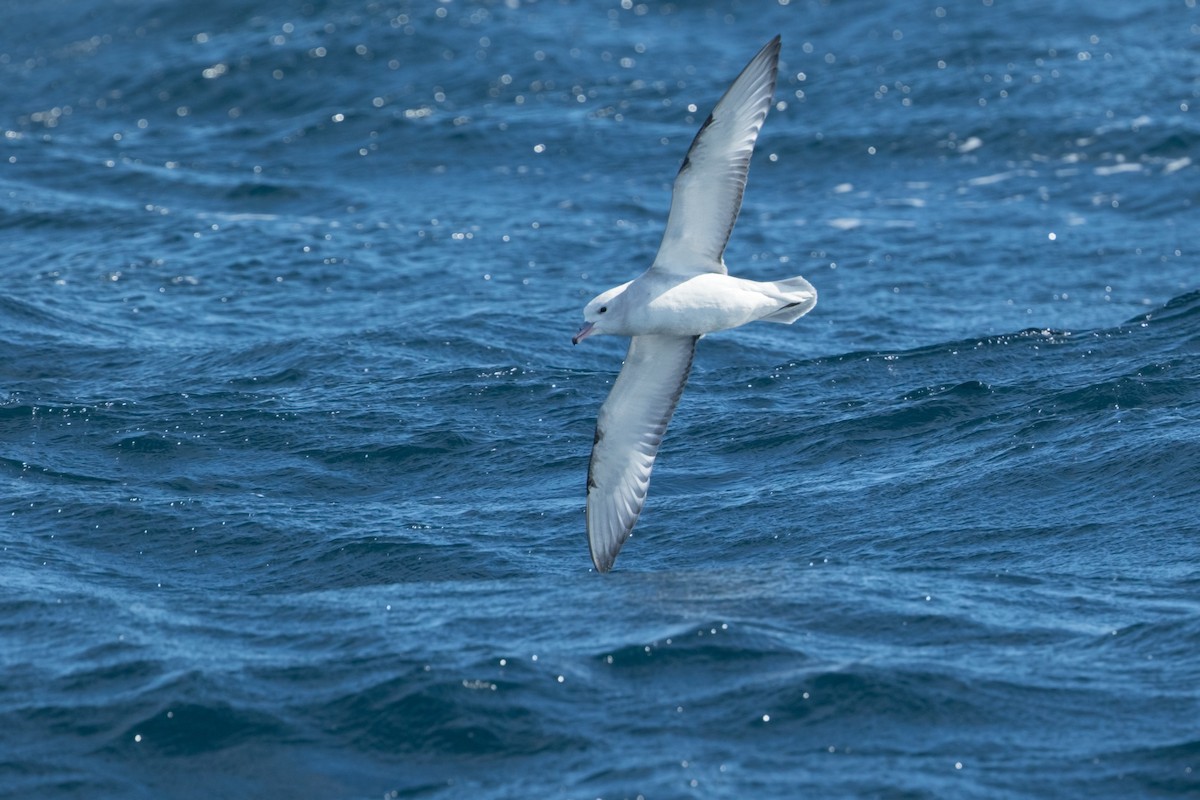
<point>293,440</point>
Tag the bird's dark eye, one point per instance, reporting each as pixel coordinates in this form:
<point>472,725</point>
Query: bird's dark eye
<point>603,309</point>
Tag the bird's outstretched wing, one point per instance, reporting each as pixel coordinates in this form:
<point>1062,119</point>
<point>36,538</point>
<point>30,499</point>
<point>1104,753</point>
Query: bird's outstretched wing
<point>630,427</point>
<point>708,190</point>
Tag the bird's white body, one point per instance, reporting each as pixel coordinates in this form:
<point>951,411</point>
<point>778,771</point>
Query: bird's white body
<point>676,305</point>
<point>685,294</point>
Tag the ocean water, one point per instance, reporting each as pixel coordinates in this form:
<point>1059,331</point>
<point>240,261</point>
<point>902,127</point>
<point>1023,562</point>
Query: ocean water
<point>293,439</point>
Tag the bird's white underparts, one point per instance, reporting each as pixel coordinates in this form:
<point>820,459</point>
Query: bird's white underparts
<point>686,293</point>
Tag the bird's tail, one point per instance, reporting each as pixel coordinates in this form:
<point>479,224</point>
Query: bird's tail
<point>798,297</point>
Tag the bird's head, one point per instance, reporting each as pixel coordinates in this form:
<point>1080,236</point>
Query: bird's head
<point>602,315</point>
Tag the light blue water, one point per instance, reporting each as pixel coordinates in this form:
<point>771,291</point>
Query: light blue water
<point>293,440</point>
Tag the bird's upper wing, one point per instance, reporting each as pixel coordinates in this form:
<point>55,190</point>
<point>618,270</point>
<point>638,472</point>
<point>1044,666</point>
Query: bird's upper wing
<point>630,427</point>
<point>708,190</point>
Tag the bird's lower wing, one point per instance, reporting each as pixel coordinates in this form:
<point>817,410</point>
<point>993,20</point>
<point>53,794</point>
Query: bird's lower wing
<point>629,429</point>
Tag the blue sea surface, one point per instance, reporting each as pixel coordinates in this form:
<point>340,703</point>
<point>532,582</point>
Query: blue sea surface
<point>293,440</point>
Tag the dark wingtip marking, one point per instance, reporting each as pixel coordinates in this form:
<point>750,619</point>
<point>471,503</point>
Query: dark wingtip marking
<point>596,437</point>
<point>687,159</point>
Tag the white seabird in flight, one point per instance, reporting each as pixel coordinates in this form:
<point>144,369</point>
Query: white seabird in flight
<point>686,293</point>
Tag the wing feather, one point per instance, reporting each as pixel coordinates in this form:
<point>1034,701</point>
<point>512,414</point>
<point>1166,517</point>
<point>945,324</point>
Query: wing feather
<point>629,429</point>
<point>707,194</point>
